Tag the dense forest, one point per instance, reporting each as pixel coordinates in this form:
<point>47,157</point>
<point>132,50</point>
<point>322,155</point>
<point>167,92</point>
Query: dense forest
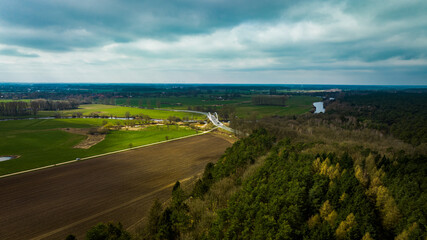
<point>302,178</point>
<point>296,195</point>
<point>402,114</point>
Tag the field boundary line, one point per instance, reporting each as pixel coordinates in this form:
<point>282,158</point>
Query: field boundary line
<point>105,154</point>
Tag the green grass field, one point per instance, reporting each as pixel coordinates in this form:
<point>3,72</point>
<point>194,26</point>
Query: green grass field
<point>244,107</point>
<point>40,142</point>
<point>119,111</point>
<point>12,100</point>
<point>294,105</point>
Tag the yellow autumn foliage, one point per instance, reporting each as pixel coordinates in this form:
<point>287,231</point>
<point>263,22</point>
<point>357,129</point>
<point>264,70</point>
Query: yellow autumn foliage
<point>405,234</point>
<point>325,168</point>
<point>343,197</point>
<point>388,208</point>
<point>316,164</point>
<point>345,226</point>
<point>359,174</point>
<point>331,218</point>
<point>367,236</point>
<point>313,221</point>
<point>325,209</point>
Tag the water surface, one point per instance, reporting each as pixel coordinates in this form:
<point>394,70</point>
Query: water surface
<point>319,107</point>
<point>5,158</point>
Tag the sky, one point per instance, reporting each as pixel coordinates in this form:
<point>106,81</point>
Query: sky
<point>214,41</point>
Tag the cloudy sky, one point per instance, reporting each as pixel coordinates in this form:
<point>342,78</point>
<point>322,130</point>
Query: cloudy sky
<point>214,41</point>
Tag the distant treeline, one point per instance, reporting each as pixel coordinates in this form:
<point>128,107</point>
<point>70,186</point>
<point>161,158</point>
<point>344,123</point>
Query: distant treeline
<point>275,100</point>
<point>101,91</point>
<point>19,108</point>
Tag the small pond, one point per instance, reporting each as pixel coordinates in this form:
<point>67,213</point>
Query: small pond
<point>5,158</point>
<point>319,107</point>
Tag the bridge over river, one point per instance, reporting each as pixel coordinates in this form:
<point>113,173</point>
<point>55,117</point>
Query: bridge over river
<point>212,117</point>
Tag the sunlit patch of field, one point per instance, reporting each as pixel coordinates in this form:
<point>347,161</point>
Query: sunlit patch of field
<point>42,142</point>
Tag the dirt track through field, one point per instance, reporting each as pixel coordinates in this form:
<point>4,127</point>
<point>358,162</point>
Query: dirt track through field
<point>54,202</point>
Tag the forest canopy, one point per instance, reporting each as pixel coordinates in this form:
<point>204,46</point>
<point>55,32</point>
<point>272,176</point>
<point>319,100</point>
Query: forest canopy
<point>402,114</point>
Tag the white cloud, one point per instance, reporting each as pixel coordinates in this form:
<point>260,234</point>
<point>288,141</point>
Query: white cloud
<point>302,41</point>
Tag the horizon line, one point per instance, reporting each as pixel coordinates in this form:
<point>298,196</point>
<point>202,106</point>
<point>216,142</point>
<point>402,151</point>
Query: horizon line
<point>248,84</point>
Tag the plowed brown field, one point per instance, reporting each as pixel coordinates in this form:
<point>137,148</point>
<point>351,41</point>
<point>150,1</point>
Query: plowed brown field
<point>54,202</point>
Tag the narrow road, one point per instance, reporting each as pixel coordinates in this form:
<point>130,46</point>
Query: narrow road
<point>54,202</point>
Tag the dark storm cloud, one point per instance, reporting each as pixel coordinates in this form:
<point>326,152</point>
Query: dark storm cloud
<point>123,21</point>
